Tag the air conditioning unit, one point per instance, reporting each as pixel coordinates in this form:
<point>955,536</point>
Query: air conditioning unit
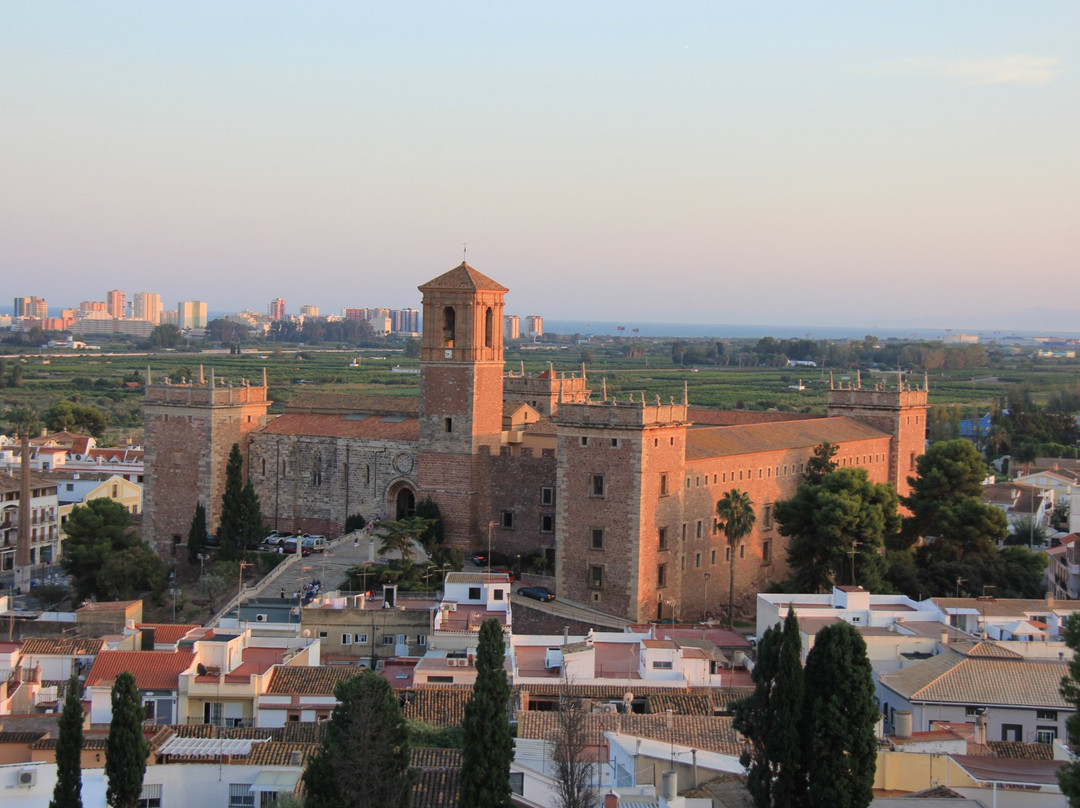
<point>27,778</point>
<point>261,618</point>
<point>609,708</point>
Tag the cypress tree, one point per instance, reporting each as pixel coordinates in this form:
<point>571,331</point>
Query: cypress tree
<point>488,747</point>
<point>782,745</point>
<point>1068,775</point>
<point>363,759</point>
<point>251,524</point>
<point>126,749</point>
<point>770,719</point>
<point>196,539</point>
<point>839,718</point>
<point>231,529</point>
<point>68,790</point>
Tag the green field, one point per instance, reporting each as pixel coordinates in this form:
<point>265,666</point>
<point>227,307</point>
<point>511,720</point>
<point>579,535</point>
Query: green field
<point>111,381</point>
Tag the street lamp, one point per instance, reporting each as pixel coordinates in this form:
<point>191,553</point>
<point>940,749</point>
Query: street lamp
<point>202,557</point>
<point>174,591</point>
<point>491,525</point>
<point>705,610</point>
<point>672,603</point>
<point>239,590</point>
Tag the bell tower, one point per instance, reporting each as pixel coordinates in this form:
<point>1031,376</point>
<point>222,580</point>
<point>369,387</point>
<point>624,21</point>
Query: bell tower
<point>461,393</point>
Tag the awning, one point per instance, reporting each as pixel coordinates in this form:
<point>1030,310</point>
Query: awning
<point>275,782</point>
<point>209,747</point>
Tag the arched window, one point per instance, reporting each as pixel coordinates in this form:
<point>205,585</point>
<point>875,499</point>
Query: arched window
<point>489,328</point>
<point>449,326</point>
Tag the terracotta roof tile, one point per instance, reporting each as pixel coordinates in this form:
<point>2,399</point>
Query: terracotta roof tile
<point>278,753</point>
<point>431,758</point>
<point>750,438</point>
<point>309,680</point>
<point>1008,607</point>
<point>463,276</point>
<point>153,670</point>
<point>73,646</point>
<point>1021,751</point>
<point>169,633</point>
<point>435,788</point>
<point>707,417</point>
<point>710,733</point>
<point>352,403</point>
<point>952,677</point>
<point>438,706</point>
<point>23,737</point>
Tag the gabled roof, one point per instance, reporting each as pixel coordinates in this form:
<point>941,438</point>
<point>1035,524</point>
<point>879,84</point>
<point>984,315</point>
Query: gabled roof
<point>153,670</point>
<point>461,277</point>
<point>710,733</point>
<point>352,403</point>
<point>954,678</point>
<point>770,437</point>
<point>169,633</point>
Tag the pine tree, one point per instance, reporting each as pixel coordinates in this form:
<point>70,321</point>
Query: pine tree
<point>488,747</point>
<point>364,757</point>
<point>68,790</point>
<point>839,718</point>
<point>231,529</point>
<point>196,540</point>
<point>770,719</point>
<point>126,749</point>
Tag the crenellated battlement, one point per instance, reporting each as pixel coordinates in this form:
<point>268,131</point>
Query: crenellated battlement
<point>206,391</point>
<point>632,412</point>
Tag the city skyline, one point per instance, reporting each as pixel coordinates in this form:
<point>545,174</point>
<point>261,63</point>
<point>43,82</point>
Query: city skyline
<point>845,163</point>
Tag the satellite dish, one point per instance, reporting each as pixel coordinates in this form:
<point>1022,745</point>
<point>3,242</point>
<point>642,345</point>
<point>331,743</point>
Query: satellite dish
<point>307,632</point>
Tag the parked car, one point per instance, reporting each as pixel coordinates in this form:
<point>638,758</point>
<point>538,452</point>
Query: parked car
<point>292,544</point>
<point>479,560</point>
<point>276,537</point>
<point>505,571</point>
<point>537,593</point>
<point>314,544</point>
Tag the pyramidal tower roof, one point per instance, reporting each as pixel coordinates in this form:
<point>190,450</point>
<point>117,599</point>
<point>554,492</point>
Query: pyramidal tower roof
<point>463,276</point>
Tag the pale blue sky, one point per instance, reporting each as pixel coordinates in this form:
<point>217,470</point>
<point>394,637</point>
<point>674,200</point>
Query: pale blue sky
<point>799,162</point>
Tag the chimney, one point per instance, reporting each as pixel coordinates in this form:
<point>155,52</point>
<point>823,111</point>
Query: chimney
<point>902,724</point>
<point>1050,599</point>
<point>611,800</point>
<point>693,757</point>
<point>669,788</point>
<point>944,636</point>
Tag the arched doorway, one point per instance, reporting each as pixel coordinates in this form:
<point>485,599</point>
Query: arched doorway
<point>402,502</point>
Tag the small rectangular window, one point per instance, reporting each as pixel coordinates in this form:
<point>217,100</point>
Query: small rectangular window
<point>596,577</point>
<point>766,517</point>
<point>507,520</point>
<point>448,424</point>
<point>596,538</point>
<point>547,523</point>
<point>765,552</point>
<point>742,551</point>
<point>697,529</point>
<point>1046,715</point>
<point>614,443</point>
<point>387,639</point>
<point>663,485</point>
<point>662,664</point>
<point>661,575</point>
<point>662,538</point>
<point>346,639</point>
<point>496,594</point>
<point>697,559</point>
<point>421,639</point>
<point>712,557</point>
<point>584,441</point>
<point>596,485</point>
<point>547,495</point>
<point>360,639</point>
<point>474,593</point>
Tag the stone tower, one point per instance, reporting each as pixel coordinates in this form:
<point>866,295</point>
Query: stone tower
<point>899,412</point>
<point>190,430</point>
<point>461,394</point>
<point>619,505</point>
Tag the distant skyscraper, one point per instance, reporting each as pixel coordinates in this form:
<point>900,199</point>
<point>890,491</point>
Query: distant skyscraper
<point>309,311</point>
<point>90,306</point>
<point>405,321</point>
<point>513,326</point>
<point>534,325</point>
<point>170,316</point>
<point>31,307</point>
<point>277,309</point>
<point>117,302</point>
<point>146,306</point>
<point>191,314</point>
<point>355,315</point>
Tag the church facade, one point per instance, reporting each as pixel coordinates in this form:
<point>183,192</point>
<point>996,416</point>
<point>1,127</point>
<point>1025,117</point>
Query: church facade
<point>622,493</point>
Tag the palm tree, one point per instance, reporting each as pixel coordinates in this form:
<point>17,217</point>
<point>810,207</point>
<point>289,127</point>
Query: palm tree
<point>735,519</point>
<point>399,534</point>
